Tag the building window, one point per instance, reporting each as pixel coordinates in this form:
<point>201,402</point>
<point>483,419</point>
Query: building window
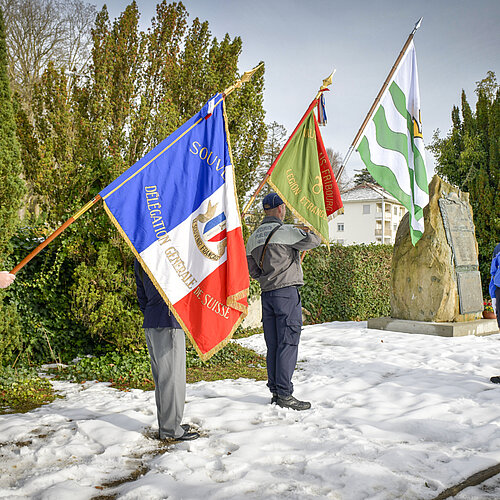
<point>401,211</point>
<point>395,210</point>
<point>340,226</point>
<point>366,209</point>
<point>395,227</point>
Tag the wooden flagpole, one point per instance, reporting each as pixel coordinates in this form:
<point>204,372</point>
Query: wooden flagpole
<point>55,234</point>
<point>324,86</point>
<point>352,147</point>
<point>245,78</point>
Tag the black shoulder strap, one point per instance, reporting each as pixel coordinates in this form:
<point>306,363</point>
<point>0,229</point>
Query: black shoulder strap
<point>265,245</point>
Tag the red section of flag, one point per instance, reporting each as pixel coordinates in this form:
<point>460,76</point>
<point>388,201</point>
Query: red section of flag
<point>218,237</point>
<point>330,189</point>
<point>237,266</point>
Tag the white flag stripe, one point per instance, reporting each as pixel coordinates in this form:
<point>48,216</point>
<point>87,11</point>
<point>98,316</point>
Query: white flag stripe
<point>394,119</point>
<point>381,156</point>
<point>232,211</point>
<point>407,79</point>
<point>185,248</point>
<point>168,280</point>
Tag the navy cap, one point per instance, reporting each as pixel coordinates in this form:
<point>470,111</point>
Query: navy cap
<point>271,200</point>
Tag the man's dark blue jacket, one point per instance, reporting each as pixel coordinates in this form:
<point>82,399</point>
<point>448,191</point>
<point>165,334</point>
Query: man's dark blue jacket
<point>155,310</point>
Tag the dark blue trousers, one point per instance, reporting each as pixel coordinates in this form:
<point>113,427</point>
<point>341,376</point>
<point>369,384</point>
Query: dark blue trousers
<point>282,321</point>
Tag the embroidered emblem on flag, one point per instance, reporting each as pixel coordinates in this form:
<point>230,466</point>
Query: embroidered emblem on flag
<point>215,229</point>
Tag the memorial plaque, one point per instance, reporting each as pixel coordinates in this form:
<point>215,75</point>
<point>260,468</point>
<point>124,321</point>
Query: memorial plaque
<point>459,228</point>
<point>469,292</point>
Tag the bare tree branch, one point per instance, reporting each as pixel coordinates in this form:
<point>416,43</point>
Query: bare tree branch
<point>39,31</point>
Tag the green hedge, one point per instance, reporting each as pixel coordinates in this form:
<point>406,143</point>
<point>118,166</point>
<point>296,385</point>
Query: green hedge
<point>348,283</point>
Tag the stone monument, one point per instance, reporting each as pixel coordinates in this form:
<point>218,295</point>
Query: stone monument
<point>436,285</point>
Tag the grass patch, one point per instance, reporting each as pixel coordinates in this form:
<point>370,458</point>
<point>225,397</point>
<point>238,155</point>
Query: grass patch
<point>212,373</point>
<point>129,370</point>
<point>133,371</point>
<point>234,361</point>
<point>242,333</point>
<point>22,390</point>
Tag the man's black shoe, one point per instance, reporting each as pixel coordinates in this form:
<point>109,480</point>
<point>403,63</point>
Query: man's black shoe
<point>188,436</point>
<point>274,399</point>
<point>291,402</point>
<point>495,380</point>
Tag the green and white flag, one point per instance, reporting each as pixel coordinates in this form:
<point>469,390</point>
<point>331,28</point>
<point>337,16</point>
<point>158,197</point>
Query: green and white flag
<point>392,147</point>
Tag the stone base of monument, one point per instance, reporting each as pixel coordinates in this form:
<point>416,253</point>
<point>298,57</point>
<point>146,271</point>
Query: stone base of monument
<point>459,329</point>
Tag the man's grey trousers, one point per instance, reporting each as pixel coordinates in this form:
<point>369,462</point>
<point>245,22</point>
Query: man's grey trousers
<point>167,350</point>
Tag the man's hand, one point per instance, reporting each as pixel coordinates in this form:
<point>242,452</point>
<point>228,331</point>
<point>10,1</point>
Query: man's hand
<point>6,279</point>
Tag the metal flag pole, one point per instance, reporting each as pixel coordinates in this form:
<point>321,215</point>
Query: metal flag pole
<point>326,83</point>
<point>245,78</point>
<point>352,147</point>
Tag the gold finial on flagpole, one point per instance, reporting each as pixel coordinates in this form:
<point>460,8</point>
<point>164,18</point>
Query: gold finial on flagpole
<point>247,75</point>
<point>326,83</point>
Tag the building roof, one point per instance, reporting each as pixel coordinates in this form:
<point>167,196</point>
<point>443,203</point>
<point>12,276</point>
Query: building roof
<point>368,192</point>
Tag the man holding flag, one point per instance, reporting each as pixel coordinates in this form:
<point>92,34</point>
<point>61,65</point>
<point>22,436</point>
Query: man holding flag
<point>303,178</point>
<point>167,351</point>
<point>273,255</point>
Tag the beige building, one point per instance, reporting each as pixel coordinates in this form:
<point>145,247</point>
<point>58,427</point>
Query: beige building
<point>370,215</point>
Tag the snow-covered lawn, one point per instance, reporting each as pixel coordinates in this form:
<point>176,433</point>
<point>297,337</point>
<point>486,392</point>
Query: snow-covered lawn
<point>395,416</point>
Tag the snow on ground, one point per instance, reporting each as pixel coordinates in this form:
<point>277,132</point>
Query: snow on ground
<point>395,416</point>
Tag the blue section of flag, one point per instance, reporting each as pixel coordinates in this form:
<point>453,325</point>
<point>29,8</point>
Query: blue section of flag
<point>170,183</point>
<point>214,222</point>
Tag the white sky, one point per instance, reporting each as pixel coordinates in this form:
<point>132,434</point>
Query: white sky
<point>301,42</point>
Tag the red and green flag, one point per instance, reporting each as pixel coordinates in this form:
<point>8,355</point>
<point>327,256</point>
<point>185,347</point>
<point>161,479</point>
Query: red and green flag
<point>302,175</point>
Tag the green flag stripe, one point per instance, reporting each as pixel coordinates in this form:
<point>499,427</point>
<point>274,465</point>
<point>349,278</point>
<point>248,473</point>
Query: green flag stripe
<point>415,235</point>
<point>399,99</point>
<point>385,177</point>
<point>387,138</point>
<point>420,170</point>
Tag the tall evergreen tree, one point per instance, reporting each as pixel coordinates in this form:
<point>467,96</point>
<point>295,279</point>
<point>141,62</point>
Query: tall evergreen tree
<point>11,185</point>
<point>11,196</point>
<point>469,158</point>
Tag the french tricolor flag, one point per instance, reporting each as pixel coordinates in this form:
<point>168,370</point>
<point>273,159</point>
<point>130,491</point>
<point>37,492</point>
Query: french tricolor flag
<point>177,210</point>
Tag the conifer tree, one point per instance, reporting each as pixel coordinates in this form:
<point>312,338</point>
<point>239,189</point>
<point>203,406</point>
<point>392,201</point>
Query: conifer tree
<point>363,177</point>
<point>11,185</point>
<point>469,158</point>
<point>11,194</point>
